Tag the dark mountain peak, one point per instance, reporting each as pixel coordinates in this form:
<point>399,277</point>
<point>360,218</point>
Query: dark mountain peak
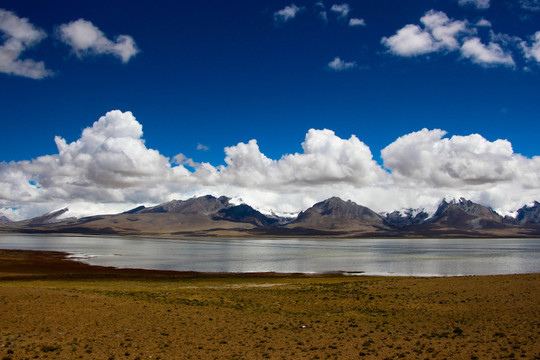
<point>529,214</point>
<point>464,213</point>
<point>337,208</point>
<point>49,218</point>
<point>245,213</point>
<point>466,206</point>
<point>135,210</point>
<point>4,219</point>
<point>202,205</point>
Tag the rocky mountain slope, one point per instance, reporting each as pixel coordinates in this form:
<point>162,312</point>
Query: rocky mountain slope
<point>336,214</point>
<point>464,214</point>
<point>529,214</point>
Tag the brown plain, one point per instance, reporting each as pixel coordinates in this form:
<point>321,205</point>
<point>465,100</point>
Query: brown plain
<point>54,308</point>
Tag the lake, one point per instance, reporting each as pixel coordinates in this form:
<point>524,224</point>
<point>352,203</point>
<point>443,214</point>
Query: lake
<point>414,257</point>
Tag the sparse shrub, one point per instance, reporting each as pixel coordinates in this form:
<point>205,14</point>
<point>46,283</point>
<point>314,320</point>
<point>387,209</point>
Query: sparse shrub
<point>49,348</point>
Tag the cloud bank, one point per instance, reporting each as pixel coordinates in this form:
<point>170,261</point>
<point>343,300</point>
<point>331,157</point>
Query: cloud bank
<point>110,169</point>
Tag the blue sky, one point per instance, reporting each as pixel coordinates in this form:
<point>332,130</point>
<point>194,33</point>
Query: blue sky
<point>200,76</point>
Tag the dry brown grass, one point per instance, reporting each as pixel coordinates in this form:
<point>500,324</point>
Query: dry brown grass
<point>87,314</point>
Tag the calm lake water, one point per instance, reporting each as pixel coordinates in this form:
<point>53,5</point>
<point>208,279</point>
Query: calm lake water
<point>416,257</point>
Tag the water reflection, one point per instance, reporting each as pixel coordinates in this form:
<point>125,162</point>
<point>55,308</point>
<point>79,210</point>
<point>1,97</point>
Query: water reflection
<point>416,257</point>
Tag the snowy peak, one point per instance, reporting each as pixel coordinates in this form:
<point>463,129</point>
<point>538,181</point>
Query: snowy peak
<point>49,218</point>
<point>406,217</point>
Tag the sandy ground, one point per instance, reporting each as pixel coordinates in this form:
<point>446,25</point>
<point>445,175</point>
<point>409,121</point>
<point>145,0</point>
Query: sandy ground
<point>57,309</point>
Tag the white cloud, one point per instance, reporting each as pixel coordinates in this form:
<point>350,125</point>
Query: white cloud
<point>530,5</point>
<point>440,33</point>
<point>357,22</point>
<point>425,158</point>
<point>490,55</point>
<point>321,11</point>
<point>444,30</point>
<point>533,51</point>
<point>479,4</point>
<point>109,163</point>
<point>86,39</point>
<point>286,14</point>
<point>19,35</point>
<point>339,65</point>
<point>327,159</point>
<point>483,23</point>
<point>342,10</point>
<point>109,169</point>
<point>411,40</point>
<point>202,147</point>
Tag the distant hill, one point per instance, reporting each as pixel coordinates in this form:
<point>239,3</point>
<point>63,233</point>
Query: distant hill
<point>204,205</point>
<point>336,214</point>
<point>465,214</point>
<point>49,218</point>
<point>334,217</point>
<point>4,219</point>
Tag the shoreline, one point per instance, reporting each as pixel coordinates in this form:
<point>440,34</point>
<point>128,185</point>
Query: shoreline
<point>250,235</point>
<point>47,262</point>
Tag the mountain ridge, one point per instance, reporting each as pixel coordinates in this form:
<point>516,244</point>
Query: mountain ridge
<point>216,216</point>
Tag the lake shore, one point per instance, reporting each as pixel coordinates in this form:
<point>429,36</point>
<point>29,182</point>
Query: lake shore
<point>54,307</point>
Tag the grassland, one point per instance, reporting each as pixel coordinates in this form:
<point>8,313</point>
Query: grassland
<point>57,309</point>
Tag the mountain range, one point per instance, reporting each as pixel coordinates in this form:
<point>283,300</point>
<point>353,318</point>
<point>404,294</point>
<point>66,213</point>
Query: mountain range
<point>334,217</point>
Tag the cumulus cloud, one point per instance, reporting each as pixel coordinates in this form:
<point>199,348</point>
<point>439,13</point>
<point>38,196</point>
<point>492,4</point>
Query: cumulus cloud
<point>443,29</point>
<point>479,4</point>
<point>425,158</point>
<point>288,13</point>
<point>342,10</point>
<point>357,22</point>
<point>339,65</point>
<point>411,40</point>
<point>486,55</point>
<point>532,51</point>
<point>109,169</point>
<point>86,39</point>
<point>440,33</point>
<point>327,159</point>
<point>108,163</point>
<point>20,35</point>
